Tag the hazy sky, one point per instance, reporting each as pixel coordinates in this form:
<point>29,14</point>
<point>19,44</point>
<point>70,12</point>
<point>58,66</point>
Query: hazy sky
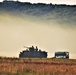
<point>16,32</point>
<point>51,1</point>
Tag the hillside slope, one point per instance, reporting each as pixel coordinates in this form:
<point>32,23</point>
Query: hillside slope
<point>61,13</point>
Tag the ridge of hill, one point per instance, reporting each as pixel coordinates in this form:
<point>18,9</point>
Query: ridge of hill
<point>66,13</point>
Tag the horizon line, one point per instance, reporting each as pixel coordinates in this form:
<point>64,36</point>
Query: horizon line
<point>36,2</point>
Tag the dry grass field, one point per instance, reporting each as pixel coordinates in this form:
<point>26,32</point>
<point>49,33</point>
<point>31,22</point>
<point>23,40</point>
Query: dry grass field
<point>29,66</point>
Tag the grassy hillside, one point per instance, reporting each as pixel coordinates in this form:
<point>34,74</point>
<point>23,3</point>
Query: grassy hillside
<point>16,66</point>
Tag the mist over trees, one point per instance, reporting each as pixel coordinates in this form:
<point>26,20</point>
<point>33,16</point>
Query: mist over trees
<point>47,11</point>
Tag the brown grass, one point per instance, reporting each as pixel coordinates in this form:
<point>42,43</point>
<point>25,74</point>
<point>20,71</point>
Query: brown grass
<point>16,66</point>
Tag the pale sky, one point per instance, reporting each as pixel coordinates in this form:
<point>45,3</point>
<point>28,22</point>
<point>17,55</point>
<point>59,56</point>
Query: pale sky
<point>16,32</point>
<point>72,2</point>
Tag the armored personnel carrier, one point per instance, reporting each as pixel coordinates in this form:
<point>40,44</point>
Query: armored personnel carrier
<point>32,52</point>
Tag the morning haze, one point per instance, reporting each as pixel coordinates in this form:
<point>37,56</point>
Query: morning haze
<point>50,33</point>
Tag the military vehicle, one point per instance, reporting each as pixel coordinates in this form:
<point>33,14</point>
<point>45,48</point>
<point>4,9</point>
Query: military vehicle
<point>61,54</point>
<point>32,52</point>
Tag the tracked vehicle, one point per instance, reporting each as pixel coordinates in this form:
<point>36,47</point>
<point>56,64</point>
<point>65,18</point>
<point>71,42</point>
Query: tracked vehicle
<point>32,52</point>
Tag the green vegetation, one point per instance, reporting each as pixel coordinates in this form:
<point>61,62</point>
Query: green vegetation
<point>60,13</point>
